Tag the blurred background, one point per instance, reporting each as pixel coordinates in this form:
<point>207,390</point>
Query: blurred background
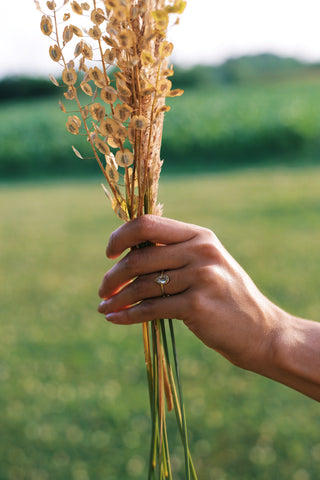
<point>241,156</point>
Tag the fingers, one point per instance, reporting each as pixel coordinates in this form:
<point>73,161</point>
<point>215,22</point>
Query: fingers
<point>139,262</point>
<point>145,287</point>
<point>148,310</point>
<point>149,228</point>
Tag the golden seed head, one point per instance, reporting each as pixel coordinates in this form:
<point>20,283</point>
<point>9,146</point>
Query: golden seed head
<point>46,25</point>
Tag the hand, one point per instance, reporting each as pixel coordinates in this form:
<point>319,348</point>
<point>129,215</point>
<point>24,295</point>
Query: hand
<point>208,289</point>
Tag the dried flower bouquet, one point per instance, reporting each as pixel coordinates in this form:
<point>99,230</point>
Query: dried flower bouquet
<point>119,60</point>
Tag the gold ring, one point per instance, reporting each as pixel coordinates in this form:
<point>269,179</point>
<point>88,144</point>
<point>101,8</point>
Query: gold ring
<point>162,280</point>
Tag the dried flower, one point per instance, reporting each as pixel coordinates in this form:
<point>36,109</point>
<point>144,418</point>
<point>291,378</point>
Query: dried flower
<point>123,123</point>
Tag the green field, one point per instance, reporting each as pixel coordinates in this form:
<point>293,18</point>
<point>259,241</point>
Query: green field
<point>73,395</point>
<point>217,127</point>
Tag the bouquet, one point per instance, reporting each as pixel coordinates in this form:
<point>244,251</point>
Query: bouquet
<point>118,60</point>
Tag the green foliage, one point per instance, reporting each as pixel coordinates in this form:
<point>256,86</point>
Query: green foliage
<point>25,87</point>
<point>215,126</point>
<point>73,390</point>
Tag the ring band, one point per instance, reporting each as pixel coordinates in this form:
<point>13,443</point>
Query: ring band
<point>162,280</point>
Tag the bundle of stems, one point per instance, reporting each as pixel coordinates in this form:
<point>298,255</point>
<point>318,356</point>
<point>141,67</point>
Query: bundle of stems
<point>118,60</point>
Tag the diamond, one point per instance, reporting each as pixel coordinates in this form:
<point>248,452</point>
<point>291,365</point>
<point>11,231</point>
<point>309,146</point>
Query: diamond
<point>163,280</point>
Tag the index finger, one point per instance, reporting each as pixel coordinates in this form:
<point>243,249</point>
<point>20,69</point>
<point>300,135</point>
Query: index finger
<point>149,228</point>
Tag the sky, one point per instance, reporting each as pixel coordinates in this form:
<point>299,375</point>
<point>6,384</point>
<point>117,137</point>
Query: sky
<point>210,31</point>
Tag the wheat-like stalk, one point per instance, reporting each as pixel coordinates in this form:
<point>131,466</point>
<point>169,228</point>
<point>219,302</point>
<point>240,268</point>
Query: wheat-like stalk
<point>118,59</point>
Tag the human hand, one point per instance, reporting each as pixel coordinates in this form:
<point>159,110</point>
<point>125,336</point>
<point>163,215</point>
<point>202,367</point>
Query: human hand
<point>208,289</point>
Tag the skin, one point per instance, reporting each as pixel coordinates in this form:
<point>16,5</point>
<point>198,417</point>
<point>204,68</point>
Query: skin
<point>212,295</point>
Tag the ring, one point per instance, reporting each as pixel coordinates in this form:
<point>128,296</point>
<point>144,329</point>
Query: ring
<point>162,280</point>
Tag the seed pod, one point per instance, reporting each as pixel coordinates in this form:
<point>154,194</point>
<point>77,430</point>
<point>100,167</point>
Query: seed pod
<point>76,30</point>
<point>96,75</point>
<point>70,94</point>
<point>122,112</point>
<point>109,95</point>
<point>125,158</point>
<point>102,146</point>
<point>87,51</point>
<point>95,32</point>
<point>76,8</point>
<point>138,122</point>
<point>46,25</point>
<point>85,87</point>
<point>55,53</point>
<point>51,5</point>
<point>69,76</point>
<point>165,49</point>
<point>73,124</point>
<point>97,111</point>
<point>85,6</point>
<point>97,16</point>
<point>67,34</point>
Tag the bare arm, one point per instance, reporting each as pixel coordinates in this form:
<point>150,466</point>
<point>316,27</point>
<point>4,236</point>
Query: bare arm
<point>213,296</point>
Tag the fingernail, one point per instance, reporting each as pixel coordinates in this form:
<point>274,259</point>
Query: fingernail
<point>103,306</point>
<point>112,317</point>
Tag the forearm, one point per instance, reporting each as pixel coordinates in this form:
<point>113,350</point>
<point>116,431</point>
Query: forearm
<point>294,358</point>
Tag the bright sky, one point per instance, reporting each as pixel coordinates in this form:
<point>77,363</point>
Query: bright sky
<point>209,32</point>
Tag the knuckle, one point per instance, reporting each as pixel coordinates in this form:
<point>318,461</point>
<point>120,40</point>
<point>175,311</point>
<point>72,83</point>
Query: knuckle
<point>131,262</point>
<point>195,302</point>
<point>146,224</point>
<point>147,310</point>
<point>205,275</point>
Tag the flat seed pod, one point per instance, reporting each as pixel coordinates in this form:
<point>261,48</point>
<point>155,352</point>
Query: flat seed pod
<point>85,6</point>
<point>109,55</point>
<point>62,107</point>
<point>139,122</point>
<point>120,210</point>
<point>113,142</point>
<point>76,8</point>
<point>54,80</point>
<point>51,5</point>
<point>108,127</point>
<point>38,6</point>
<point>66,17</point>
<point>122,112</point>
<point>165,49</point>
<point>46,25</point>
<point>120,133</point>
<point>177,7</point>
<point>87,51</point>
<point>78,154</point>
<point>97,16</point>
<point>67,34</point>
<point>175,93</point>
<point>162,19</point>
<point>76,30</point>
<point>102,146</point>
<point>125,38</point>
<point>55,53</point>
<point>69,76</point>
<point>95,32</point>
<point>70,94</point>
<point>73,125</point>
<point>162,109</point>
<point>85,87</point>
<point>78,49</point>
<point>96,75</point>
<point>125,158</point>
<point>97,112</point>
<point>131,134</point>
<point>168,72</point>
<point>112,174</point>
<point>164,86</point>
<point>122,89</point>
<point>147,58</point>
<point>109,95</point>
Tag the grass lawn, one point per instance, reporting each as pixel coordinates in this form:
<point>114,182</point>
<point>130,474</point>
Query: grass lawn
<point>73,391</point>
